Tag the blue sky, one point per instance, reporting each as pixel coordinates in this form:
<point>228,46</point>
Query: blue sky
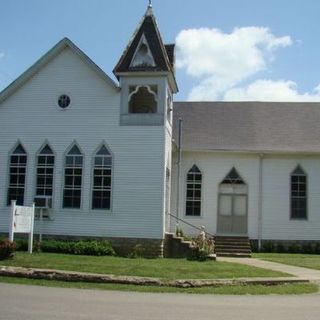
<point>227,50</point>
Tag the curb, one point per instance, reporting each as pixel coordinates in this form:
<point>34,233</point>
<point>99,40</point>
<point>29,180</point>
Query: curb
<point>48,274</point>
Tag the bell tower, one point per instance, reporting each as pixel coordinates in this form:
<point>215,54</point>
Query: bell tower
<point>147,80</point>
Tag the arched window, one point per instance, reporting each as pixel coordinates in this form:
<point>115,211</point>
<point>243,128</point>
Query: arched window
<point>17,175</point>
<point>193,198</point>
<point>143,99</point>
<point>45,168</point>
<point>298,194</point>
<point>73,178</point>
<point>102,176</point>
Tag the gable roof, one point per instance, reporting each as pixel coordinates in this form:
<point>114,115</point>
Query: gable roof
<point>147,27</point>
<point>249,126</point>
<point>51,54</point>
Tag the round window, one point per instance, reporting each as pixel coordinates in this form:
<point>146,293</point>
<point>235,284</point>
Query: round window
<point>64,101</point>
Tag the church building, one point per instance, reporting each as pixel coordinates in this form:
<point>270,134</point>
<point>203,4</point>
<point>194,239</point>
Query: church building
<point>122,161</point>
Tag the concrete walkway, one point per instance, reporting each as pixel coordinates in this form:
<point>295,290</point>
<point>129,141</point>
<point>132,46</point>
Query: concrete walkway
<point>299,272</point>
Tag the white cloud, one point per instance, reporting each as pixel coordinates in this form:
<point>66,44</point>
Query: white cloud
<point>1,55</point>
<point>268,90</point>
<point>222,60</point>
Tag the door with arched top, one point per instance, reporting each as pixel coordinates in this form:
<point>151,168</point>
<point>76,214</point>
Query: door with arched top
<point>233,205</point>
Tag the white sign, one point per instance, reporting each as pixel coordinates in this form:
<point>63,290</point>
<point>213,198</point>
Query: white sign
<point>22,219</point>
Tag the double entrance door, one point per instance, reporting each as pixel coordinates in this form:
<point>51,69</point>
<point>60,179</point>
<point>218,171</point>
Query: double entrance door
<point>232,208</point>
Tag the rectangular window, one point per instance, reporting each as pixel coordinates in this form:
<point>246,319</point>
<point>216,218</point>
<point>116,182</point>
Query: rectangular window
<point>102,175</point>
<point>72,181</point>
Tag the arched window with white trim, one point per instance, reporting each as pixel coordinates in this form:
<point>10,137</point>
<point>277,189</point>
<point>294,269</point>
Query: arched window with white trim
<point>17,175</point>
<point>73,178</point>
<point>193,198</point>
<point>102,179</point>
<point>299,199</point>
<point>45,169</point>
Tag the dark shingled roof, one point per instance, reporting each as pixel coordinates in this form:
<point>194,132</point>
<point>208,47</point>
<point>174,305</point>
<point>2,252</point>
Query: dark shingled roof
<point>170,53</point>
<point>249,126</point>
<point>149,28</point>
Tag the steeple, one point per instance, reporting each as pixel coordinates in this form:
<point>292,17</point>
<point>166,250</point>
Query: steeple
<point>146,51</point>
<point>149,11</point>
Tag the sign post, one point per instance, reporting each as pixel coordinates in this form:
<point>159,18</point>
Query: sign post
<point>22,221</point>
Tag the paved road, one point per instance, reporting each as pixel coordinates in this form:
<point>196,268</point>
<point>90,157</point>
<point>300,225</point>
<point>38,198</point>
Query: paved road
<point>35,303</point>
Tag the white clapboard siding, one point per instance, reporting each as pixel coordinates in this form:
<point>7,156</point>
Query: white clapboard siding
<point>31,115</point>
<point>276,224</point>
<point>214,167</point>
<point>276,202</point>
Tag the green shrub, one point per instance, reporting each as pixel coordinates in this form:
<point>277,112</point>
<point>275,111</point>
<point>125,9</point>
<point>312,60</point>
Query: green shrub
<point>295,248</point>
<point>268,247</point>
<point>317,248</point>
<point>254,246</point>
<point>83,247</point>
<point>21,244</point>
<point>203,247</point>
<point>7,249</point>
<point>281,248</point>
<point>93,248</point>
<point>308,248</point>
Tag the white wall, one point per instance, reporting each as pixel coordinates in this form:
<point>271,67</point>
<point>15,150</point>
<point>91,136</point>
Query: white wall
<point>32,115</point>
<point>277,224</point>
<point>276,201</point>
<point>214,167</point>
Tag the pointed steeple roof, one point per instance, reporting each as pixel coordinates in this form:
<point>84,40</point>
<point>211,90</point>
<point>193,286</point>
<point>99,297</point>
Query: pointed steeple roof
<point>148,35</point>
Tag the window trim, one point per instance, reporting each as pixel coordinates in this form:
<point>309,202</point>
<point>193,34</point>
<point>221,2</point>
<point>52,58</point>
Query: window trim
<point>57,96</point>
<point>233,194</point>
<point>63,177</point>
<point>136,90</point>
<point>110,210</point>
<point>8,172</point>
<point>200,216</point>
<point>306,218</point>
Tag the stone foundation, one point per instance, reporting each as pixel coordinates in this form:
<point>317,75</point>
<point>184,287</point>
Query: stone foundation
<point>290,246</point>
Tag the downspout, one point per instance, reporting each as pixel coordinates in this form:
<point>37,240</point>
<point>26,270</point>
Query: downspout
<point>178,170</point>
<point>260,200</point>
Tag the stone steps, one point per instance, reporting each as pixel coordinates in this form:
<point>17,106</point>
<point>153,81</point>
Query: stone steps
<point>177,247</point>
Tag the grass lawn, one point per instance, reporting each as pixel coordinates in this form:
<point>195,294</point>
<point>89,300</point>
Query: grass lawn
<point>159,268</point>
<point>301,260</point>
<point>252,289</point>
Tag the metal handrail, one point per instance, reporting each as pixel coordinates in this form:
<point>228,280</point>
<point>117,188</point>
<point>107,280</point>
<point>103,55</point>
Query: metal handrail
<point>190,224</point>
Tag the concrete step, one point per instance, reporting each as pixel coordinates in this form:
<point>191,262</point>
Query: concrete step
<point>240,250</point>
<point>232,244</point>
<point>234,255</point>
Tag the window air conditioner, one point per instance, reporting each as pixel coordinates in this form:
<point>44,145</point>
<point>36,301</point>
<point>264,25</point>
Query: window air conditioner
<point>43,202</point>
